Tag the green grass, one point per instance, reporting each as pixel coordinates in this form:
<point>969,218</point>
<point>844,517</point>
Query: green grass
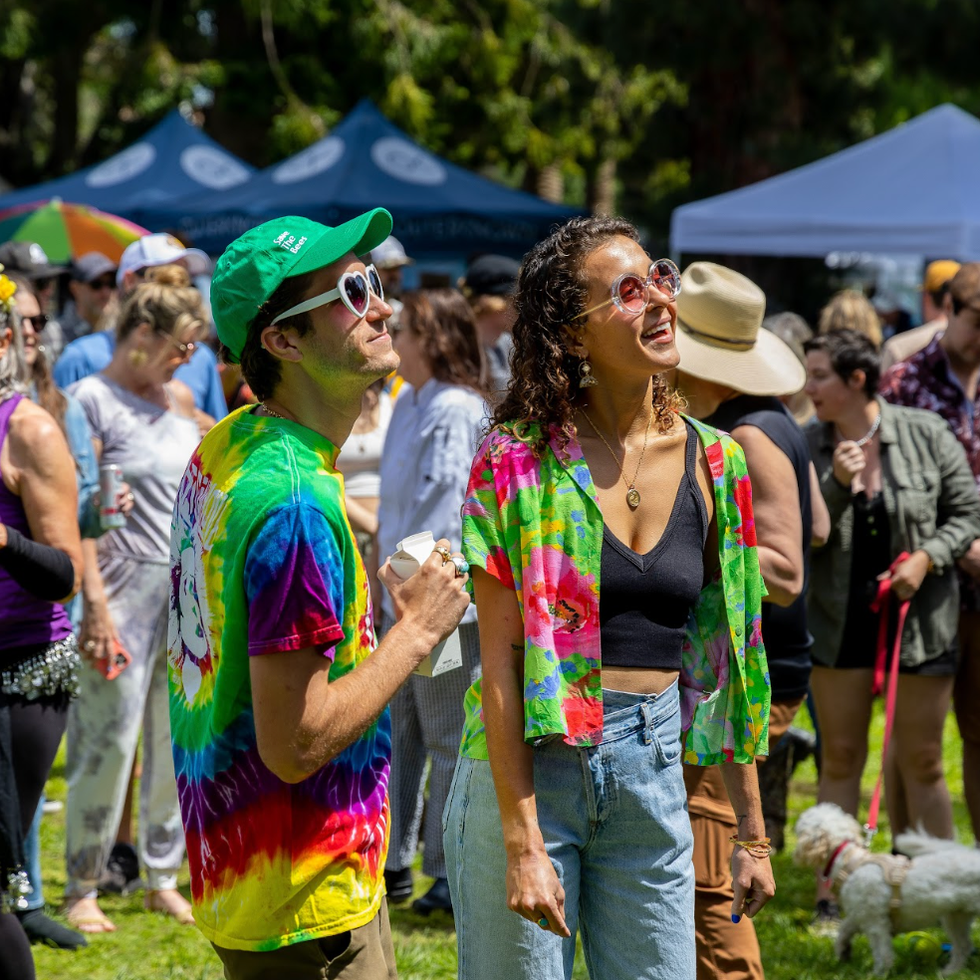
<point>150,946</point>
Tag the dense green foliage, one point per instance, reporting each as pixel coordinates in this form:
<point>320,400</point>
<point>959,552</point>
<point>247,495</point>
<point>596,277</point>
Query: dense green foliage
<point>633,106</point>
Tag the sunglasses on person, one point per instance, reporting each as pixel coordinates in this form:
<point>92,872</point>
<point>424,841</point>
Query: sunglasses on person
<point>184,349</point>
<point>99,284</point>
<point>353,290</point>
<point>37,322</point>
<point>630,293</point>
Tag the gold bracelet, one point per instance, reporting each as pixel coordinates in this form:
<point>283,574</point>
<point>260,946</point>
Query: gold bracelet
<point>757,848</point>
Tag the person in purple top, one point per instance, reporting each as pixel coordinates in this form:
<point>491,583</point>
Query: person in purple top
<point>40,568</point>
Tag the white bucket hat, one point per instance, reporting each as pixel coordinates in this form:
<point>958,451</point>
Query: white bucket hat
<point>719,336</point>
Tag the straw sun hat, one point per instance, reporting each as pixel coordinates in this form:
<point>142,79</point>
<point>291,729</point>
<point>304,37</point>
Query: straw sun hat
<point>719,316</point>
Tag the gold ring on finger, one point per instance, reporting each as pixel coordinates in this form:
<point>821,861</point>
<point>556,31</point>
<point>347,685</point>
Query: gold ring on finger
<point>444,553</point>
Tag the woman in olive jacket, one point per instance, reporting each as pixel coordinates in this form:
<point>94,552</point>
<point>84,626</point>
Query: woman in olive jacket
<point>895,480</point>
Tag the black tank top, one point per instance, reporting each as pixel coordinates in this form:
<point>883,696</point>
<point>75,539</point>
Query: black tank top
<point>784,629</point>
<point>645,600</point>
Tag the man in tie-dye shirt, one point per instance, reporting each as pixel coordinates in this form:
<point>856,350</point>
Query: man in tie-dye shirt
<point>278,691</point>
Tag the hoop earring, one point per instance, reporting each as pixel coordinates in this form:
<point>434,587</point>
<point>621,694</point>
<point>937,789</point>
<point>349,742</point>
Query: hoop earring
<point>585,378</point>
<point>138,357</point>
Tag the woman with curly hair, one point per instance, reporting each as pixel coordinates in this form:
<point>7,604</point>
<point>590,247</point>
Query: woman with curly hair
<point>616,574</point>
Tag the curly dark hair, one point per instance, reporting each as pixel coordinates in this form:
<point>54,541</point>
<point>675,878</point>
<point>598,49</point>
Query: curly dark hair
<point>551,292</point>
<point>850,351</point>
<point>443,322</point>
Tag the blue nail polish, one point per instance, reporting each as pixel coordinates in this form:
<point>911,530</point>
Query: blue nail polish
<point>736,919</point>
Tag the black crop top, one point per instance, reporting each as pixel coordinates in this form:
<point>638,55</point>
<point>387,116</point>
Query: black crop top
<point>645,600</point>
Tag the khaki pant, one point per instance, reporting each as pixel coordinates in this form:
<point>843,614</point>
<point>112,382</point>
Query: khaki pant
<point>725,949</point>
<point>365,953</point>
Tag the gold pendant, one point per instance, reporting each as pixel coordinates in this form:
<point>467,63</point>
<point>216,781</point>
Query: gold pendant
<point>633,497</point>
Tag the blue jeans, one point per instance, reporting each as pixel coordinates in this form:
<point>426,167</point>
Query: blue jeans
<point>615,824</point>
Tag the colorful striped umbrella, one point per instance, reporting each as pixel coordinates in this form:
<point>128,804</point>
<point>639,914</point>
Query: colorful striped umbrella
<point>66,231</point>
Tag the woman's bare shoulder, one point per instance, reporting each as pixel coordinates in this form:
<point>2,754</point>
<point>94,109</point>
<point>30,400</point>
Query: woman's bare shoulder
<point>183,397</point>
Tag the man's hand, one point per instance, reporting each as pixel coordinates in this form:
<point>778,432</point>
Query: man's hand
<point>970,562</point>
<point>433,600</point>
<point>848,462</point>
<point>326,717</point>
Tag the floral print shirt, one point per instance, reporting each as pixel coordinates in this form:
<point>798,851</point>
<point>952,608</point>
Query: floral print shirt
<point>536,526</point>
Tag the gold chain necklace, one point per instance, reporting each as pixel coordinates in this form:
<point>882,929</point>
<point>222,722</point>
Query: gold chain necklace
<point>632,494</point>
<point>275,415</point>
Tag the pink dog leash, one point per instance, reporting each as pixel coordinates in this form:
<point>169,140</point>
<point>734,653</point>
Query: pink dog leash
<point>880,606</point>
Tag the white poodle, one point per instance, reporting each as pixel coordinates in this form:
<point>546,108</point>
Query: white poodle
<point>883,894</point>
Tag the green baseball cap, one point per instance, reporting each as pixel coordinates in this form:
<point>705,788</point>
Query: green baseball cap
<point>253,266</point>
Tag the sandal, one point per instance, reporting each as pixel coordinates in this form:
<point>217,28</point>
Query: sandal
<point>89,919</point>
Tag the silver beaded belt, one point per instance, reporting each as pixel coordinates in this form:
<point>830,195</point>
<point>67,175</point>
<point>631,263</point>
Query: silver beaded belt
<point>14,892</point>
<point>51,671</point>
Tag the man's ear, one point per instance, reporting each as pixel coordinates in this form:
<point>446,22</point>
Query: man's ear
<point>280,343</point>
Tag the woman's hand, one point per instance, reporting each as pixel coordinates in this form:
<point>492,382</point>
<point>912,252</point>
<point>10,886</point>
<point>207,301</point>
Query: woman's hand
<point>97,632</point>
<point>848,462</point>
<point>534,891</point>
<point>752,881</point>
<point>970,562</point>
<point>908,576</point>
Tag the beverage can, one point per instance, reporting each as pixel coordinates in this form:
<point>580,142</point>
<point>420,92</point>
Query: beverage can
<point>110,483</point>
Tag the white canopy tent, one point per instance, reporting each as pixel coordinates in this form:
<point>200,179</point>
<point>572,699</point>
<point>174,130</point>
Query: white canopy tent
<point>913,190</point>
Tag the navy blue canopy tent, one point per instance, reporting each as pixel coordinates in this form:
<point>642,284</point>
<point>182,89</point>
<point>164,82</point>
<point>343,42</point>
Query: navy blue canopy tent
<point>173,161</point>
<point>440,210</point>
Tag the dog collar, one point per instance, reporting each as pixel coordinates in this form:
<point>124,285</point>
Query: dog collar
<point>833,857</point>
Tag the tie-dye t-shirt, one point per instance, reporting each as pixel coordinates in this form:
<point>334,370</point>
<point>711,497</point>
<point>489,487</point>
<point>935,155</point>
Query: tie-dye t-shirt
<point>263,561</point>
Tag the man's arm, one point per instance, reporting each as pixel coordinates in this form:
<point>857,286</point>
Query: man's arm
<point>778,522</point>
<point>302,721</point>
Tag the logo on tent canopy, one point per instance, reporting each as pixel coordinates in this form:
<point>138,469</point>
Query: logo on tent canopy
<point>122,167</point>
<point>309,162</point>
<point>212,168</point>
<point>405,161</point>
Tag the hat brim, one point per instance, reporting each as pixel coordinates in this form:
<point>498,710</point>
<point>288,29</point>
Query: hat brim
<point>768,368</point>
<point>45,272</point>
<point>198,263</point>
<point>359,235</point>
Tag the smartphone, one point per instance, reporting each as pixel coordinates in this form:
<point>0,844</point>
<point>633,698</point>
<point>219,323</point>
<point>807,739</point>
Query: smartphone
<point>117,661</point>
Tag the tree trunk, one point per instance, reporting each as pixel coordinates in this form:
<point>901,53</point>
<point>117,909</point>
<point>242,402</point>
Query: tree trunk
<point>65,66</point>
<point>602,188</point>
<point>551,183</point>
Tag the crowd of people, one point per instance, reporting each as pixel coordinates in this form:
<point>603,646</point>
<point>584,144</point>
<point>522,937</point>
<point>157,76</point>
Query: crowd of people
<point>662,522</point>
